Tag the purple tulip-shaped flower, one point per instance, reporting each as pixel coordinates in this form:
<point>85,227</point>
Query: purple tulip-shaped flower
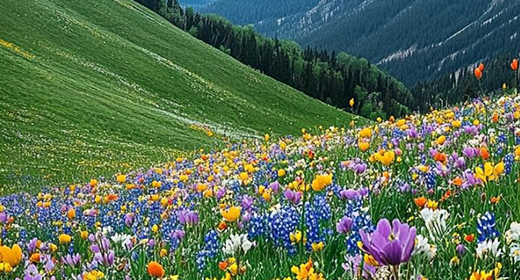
<point>293,196</point>
<point>389,244</point>
<point>344,225</point>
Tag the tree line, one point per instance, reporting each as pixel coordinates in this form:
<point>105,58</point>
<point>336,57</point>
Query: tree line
<point>330,77</point>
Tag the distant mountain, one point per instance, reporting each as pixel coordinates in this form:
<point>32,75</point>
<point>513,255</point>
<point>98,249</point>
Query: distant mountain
<point>411,39</point>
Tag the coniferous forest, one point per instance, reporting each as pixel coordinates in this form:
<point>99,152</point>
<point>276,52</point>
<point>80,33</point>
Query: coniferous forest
<point>334,78</point>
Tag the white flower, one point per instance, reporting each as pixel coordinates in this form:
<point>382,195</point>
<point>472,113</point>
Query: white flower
<point>422,247</point>
<point>513,234</point>
<point>106,230</point>
<point>121,238</point>
<point>515,253</point>
<point>435,221</point>
<point>237,243</point>
<point>489,248</point>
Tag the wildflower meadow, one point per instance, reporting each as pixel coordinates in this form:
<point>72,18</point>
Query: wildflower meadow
<point>412,198</point>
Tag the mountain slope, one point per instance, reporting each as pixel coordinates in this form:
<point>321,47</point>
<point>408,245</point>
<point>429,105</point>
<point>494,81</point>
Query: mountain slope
<point>410,39</point>
<point>102,86</point>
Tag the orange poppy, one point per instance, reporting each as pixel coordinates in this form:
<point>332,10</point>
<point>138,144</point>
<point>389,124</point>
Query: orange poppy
<point>155,269</point>
<point>440,157</point>
<point>420,201</point>
<point>457,181</point>
<point>514,65</point>
<point>481,67</point>
<point>484,153</point>
<point>478,73</point>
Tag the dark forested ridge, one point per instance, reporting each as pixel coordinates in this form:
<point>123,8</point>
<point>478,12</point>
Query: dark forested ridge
<point>462,85</point>
<point>411,40</point>
<point>327,76</point>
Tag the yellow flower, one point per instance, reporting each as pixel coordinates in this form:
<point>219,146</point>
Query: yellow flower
<point>243,176</point>
<point>11,256</point>
<point>490,172</point>
<point>386,158</point>
<point>281,172</point>
<point>232,214</point>
<point>368,259</point>
<point>365,132</point>
<point>84,234</point>
<point>363,146</point>
<point>295,236</point>
<point>121,178</point>
<point>351,102</point>
<point>317,246</point>
<point>321,181</point>
<point>233,269</point>
<point>441,140</point>
<point>93,275</point>
<point>64,239</point>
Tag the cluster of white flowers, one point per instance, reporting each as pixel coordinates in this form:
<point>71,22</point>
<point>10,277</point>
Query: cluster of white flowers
<point>489,248</point>
<point>236,244</point>
<point>513,239</point>
<point>436,222</point>
<point>422,247</point>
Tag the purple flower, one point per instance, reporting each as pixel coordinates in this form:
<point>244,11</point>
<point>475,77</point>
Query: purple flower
<point>275,186</point>
<point>344,225</point>
<point>293,196</point>
<point>461,249</point>
<point>389,245</point>
<point>247,202</point>
<point>469,152</point>
<point>31,273</point>
<point>129,219</point>
<point>188,217</point>
<point>349,194</point>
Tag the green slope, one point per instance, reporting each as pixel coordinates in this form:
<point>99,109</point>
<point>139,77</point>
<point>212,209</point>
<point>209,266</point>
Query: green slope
<point>90,88</point>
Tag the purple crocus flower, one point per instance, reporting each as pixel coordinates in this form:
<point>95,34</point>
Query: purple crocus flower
<point>349,194</point>
<point>344,225</point>
<point>293,196</point>
<point>31,273</point>
<point>469,152</point>
<point>188,217</point>
<point>247,202</point>
<point>275,186</point>
<point>129,219</point>
<point>389,244</point>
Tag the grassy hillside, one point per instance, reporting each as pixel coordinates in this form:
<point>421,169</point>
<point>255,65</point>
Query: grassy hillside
<point>95,87</point>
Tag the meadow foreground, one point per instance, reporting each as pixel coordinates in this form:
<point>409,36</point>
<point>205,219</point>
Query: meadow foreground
<point>430,196</point>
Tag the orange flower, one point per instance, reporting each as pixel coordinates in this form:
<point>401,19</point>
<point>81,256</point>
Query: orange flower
<point>514,65</point>
<point>469,237</point>
<point>495,199</point>
<point>457,181</point>
<point>481,67</point>
<point>440,157</point>
<point>35,258</point>
<point>478,73</point>
<point>484,153</point>
<point>223,265</point>
<point>71,214</point>
<point>155,269</point>
<point>495,118</point>
<point>222,226</point>
<point>420,201</point>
